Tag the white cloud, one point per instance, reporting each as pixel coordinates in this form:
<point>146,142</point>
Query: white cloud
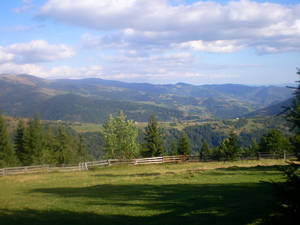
<point>224,46</point>
<point>54,72</point>
<point>12,68</point>
<point>4,56</point>
<point>26,4</point>
<point>203,25</point>
<point>34,52</point>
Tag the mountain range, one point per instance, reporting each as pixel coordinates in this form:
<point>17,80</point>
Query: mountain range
<point>93,99</point>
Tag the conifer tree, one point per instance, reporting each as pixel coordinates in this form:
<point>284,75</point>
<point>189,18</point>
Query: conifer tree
<point>153,139</point>
<point>34,141</point>
<point>82,153</point>
<point>205,151</point>
<point>183,147</point>
<point>65,152</point>
<point>273,142</point>
<point>7,154</point>
<point>173,148</point>
<point>20,141</point>
<point>48,154</point>
<point>229,147</point>
<point>293,116</point>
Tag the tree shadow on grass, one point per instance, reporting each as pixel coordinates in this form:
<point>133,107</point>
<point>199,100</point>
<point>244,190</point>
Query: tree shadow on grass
<point>177,204</point>
<point>128,175</point>
<point>254,168</point>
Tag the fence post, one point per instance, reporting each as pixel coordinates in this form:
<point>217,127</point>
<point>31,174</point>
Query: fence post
<point>284,155</point>
<point>4,172</point>
<point>86,166</point>
<point>258,156</point>
<point>108,161</point>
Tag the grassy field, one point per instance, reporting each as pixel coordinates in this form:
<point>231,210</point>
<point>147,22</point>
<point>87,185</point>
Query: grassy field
<point>188,193</point>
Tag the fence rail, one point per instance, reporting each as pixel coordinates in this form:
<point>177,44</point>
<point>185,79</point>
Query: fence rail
<point>109,162</point>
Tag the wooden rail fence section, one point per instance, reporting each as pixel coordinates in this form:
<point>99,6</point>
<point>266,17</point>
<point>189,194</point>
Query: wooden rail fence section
<point>109,162</point>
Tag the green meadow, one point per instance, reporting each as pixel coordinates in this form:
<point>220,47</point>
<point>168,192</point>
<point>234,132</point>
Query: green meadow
<point>187,193</point>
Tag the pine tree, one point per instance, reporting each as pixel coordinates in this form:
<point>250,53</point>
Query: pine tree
<point>173,148</point>
<point>153,139</point>
<point>205,151</point>
<point>34,141</point>
<point>7,154</point>
<point>293,116</point>
<point>229,147</point>
<point>20,141</point>
<point>183,147</point>
<point>82,153</point>
<point>48,154</point>
<point>253,148</point>
<point>65,151</point>
<point>273,142</point>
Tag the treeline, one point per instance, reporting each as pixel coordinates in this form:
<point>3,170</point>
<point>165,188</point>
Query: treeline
<point>122,140</point>
<point>35,144</point>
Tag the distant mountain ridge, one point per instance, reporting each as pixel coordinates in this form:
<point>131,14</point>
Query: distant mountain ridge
<point>93,99</point>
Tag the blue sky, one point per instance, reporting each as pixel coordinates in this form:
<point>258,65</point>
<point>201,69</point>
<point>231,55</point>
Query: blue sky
<point>157,41</point>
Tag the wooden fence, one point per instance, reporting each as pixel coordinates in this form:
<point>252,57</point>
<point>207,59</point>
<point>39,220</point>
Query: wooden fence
<point>109,162</point>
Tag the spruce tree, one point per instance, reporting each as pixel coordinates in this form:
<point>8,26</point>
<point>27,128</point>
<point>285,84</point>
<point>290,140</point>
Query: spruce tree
<point>7,154</point>
<point>293,116</point>
<point>82,153</point>
<point>20,142</point>
<point>153,139</point>
<point>173,148</point>
<point>205,151</point>
<point>34,141</point>
<point>183,147</point>
<point>273,142</point>
<point>229,147</point>
<point>65,151</point>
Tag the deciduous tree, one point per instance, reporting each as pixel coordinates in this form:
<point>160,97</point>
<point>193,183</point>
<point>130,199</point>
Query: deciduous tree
<point>120,137</point>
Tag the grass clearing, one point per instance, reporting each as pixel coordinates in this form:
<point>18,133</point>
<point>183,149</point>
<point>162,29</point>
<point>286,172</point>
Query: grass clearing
<point>187,193</point>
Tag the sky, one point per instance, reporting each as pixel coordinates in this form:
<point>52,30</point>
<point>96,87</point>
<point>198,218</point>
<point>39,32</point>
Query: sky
<point>155,41</point>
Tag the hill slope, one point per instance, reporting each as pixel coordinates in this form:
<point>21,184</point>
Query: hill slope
<point>91,100</point>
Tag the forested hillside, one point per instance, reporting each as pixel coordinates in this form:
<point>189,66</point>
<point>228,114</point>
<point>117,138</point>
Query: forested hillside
<point>92,100</point>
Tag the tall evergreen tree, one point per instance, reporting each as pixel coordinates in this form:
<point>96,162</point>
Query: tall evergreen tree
<point>293,116</point>
<point>7,154</point>
<point>20,142</point>
<point>173,148</point>
<point>273,142</point>
<point>82,153</point>
<point>34,141</point>
<point>153,139</point>
<point>183,147</point>
<point>65,151</point>
<point>48,154</point>
<point>205,151</point>
<point>229,147</point>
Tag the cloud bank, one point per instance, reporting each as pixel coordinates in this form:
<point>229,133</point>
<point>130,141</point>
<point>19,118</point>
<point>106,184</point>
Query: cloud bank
<point>201,26</point>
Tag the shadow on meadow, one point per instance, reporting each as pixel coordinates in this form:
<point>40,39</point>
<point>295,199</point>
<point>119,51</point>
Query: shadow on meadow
<point>274,168</point>
<point>128,175</point>
<point>174,204</point>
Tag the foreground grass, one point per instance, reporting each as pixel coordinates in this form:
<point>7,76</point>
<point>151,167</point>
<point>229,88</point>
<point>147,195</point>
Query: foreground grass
<point>189,193</point>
